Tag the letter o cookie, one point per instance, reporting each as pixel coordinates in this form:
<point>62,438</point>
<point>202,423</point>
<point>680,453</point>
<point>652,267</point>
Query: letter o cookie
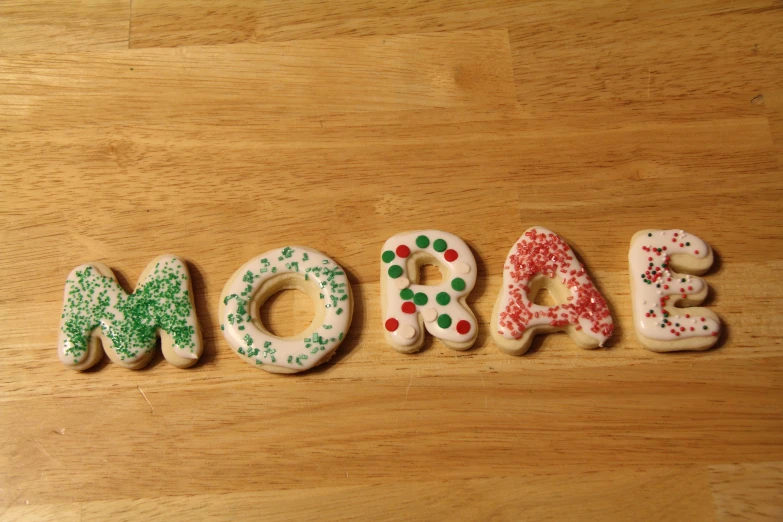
<point>292,267</point>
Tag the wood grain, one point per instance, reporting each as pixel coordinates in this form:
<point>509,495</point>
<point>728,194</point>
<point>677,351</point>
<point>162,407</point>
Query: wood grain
<point>748,491</point>
<point>230,128</point>
<point>63,26</point>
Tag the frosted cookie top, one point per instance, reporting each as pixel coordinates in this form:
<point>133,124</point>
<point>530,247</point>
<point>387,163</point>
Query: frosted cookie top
<point>655,286</point>
<point>327,285</point>
<point>444,316</point>
<point>130,322</point>
<point>539,252</point>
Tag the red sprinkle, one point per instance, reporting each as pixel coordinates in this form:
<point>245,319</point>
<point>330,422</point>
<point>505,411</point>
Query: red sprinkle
<point>450,255</point>
<point>403,251</point>
<point>463,327</point>
<point>392,324</point>
<point>408,307</point>
<point>696,252</point>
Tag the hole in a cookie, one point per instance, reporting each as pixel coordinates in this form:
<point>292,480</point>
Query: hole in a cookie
<point>430,275</point>
<point>287,313</point>
<point>544,298</point>
<point>546,291</point>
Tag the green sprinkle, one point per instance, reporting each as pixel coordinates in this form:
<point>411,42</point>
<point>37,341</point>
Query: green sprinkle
<point>388,256</point>
<point>420,299</point>
<point>458,284</point>
<point>443,298</point>
<point>439,245</point>
<point>395,271</point>
<point>444,321</point>
<point>422,241</point>
<point>406,293</point>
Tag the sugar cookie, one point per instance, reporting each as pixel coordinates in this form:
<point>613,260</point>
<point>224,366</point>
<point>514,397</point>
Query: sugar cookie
<point>293,267</point>
<point>408,308</point>
<point>656,289</point>
<point>542,259</point>
<point>98,312</point>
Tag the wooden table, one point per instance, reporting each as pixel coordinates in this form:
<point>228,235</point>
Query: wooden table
<point>222,129</point>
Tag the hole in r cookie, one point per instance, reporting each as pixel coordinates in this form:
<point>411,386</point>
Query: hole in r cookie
<point>287,312</point>
<point>430,275</point>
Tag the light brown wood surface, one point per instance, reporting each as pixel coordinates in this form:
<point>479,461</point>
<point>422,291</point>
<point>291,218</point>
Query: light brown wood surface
<point>219,129</point>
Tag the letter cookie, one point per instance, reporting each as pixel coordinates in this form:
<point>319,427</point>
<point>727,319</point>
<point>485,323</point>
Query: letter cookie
<point>407,307</point>
<point>542,259</point>
<point>656,289</point>
<point>97,311</point>
<point>293,267</point>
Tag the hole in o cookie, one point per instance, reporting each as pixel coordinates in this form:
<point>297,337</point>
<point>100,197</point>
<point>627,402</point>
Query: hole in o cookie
<point>430,275</point>
<point>287,312</point>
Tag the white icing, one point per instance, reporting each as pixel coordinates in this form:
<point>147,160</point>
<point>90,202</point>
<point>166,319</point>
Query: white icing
<point>432,311</point>
<point>262,348</point>
<point>647,297</point>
